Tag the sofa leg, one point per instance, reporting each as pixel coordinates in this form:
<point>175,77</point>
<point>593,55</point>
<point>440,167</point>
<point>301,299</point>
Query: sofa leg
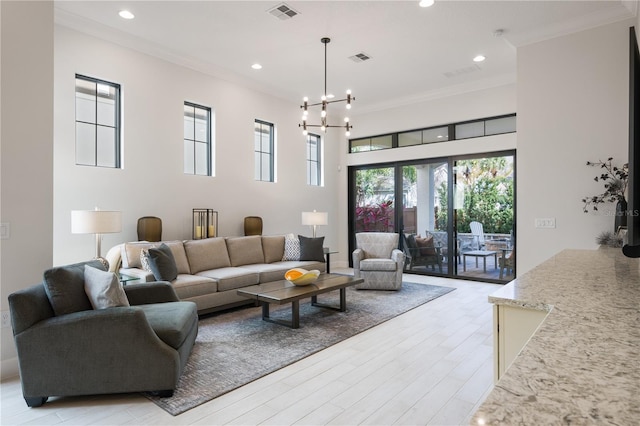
<point>162,393</point>
<point>35,401</point>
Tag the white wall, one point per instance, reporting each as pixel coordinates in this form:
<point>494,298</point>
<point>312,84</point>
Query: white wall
<point>27,150</point>
<point>572,107</point>
<point>152,181</point>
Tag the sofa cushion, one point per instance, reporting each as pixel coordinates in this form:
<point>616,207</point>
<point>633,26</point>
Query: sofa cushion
<point>64,286</point>
<point>378,265</point>
<point>311,248</point>
<point>245,250</point>
<point>171,321</point>
<point>273,248</point>
<point>162,263</point>
<point>103,288</point>
<point>188,286</point>
<point>131,254</point>
<point>232,277</point>
<point>291,247</point>
<point>208,253</point>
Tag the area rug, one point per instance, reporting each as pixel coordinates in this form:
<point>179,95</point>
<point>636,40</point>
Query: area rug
<point>236,347</point>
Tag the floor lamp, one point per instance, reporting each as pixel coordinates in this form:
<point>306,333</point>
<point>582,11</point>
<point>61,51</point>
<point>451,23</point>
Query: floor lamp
<point>96,222</point>
<point>315,219</point>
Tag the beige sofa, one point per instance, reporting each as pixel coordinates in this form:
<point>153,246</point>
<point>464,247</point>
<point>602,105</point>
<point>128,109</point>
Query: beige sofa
<point>210,271</point>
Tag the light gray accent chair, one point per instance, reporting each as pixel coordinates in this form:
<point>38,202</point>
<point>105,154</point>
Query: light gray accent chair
<point>378,260</point>
<point>143,347</point>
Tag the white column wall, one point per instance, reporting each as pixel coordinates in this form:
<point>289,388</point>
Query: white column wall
<point>26,201</point>
<point>572,107</point>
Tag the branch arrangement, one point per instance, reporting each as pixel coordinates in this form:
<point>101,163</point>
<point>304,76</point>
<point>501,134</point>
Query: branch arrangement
<point>615,184</point>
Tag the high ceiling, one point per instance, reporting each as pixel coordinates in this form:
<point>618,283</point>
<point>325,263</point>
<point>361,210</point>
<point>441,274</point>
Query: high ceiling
<point>415,52</point>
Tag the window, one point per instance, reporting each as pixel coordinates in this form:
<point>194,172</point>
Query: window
<point>97,122</point>
<point>313,160</point>
<point>263,148</point>
<point>197,139</point>
<point>450,132</point>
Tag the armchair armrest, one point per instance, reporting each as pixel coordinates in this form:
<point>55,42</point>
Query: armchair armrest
<point>397,256</point>
<point>154,292</point>
<point>357,255</point>
<point>93,344</point>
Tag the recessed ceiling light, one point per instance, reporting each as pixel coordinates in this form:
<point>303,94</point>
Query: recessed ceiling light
<point>256,66</point>
<point>125,14</point>
<point>426,3</point>
<point>479,58</point>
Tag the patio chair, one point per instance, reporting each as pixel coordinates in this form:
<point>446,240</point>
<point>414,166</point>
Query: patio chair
<point>378,260</point>
<point>478,234</point>
<point>507,261</point>
<point>421,253</point>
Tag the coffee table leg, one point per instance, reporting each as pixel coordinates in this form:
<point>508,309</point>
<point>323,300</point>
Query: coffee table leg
<point>343,299</point>
<point>295,314</point>
<point>265,310</point>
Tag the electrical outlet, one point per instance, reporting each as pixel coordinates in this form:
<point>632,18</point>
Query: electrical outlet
<point>6,320</point>
<point>547,222</point>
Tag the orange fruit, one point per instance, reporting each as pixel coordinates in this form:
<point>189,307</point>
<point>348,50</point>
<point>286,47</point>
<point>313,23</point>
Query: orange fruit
<point>292,274</point>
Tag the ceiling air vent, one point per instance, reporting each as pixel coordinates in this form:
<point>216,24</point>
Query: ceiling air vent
<point>461,71</point>
<point>282,11</point>
<point>360,57</point>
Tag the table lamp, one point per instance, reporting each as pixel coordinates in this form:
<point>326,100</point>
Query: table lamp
<point>96,222</point>
<point>314,219</point>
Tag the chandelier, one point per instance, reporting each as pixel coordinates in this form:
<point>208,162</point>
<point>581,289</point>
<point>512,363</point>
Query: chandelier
<point>324,103</point>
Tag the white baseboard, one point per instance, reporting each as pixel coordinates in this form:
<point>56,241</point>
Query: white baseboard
<point>9,369</point>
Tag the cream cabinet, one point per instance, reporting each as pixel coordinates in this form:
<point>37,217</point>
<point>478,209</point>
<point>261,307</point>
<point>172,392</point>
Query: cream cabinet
<point>513,326</point>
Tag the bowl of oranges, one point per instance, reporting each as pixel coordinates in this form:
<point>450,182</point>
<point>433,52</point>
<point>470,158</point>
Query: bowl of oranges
<point>299,276</point>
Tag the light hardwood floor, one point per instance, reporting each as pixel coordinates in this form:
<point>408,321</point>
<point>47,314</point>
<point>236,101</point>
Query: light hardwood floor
<point>429,366</point>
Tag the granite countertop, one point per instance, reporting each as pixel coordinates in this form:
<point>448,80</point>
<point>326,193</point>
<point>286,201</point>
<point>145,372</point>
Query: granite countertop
<point>582,366</point>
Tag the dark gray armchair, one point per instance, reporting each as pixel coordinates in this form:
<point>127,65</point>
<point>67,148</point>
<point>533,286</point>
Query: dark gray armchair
<point>140,348</point>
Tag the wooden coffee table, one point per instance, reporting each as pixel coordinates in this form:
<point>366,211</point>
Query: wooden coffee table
<point>281,292</point>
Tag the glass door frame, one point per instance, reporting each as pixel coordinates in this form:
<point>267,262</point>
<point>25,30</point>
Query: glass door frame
<point>452,231</point>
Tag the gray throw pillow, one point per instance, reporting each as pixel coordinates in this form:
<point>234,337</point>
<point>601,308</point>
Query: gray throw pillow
<point>103,288</point>
<point>311,248</point>
<point>162,263</point>
<point>64,286</point>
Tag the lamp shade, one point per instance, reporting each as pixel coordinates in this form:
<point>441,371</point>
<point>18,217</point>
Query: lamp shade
<point>95,221</point>
<point>315,218</point>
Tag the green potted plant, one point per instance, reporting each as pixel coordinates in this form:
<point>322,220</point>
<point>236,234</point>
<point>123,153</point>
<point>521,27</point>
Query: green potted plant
<point>615,181</point>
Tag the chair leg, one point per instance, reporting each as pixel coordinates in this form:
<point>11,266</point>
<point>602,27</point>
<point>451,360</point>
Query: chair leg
<point>36,401</point>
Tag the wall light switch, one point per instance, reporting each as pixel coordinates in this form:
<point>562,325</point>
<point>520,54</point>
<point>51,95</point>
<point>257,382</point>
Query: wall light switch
<point>5,231</point>
<point>546,222</point>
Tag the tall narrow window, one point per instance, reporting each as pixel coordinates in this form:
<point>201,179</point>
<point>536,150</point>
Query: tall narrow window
<point>197,139</point>
<point>263,148</point>
<point>97,122</point>
<point>313,160</point>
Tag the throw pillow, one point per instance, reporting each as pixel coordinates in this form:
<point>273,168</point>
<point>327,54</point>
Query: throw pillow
<point>311,248</point>
<point>103,288</point>
<point>64,286</point>
<point>162,263</point>
<point>144,259</point>
<point>426,246</point>
<point>291,247</point>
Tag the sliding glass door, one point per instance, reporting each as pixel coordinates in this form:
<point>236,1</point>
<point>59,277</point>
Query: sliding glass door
<point>455,215</point>
<point>484,217</point>
<point>425,224</point>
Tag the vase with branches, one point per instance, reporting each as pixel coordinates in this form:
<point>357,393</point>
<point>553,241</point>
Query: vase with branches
<point>615,180</point>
